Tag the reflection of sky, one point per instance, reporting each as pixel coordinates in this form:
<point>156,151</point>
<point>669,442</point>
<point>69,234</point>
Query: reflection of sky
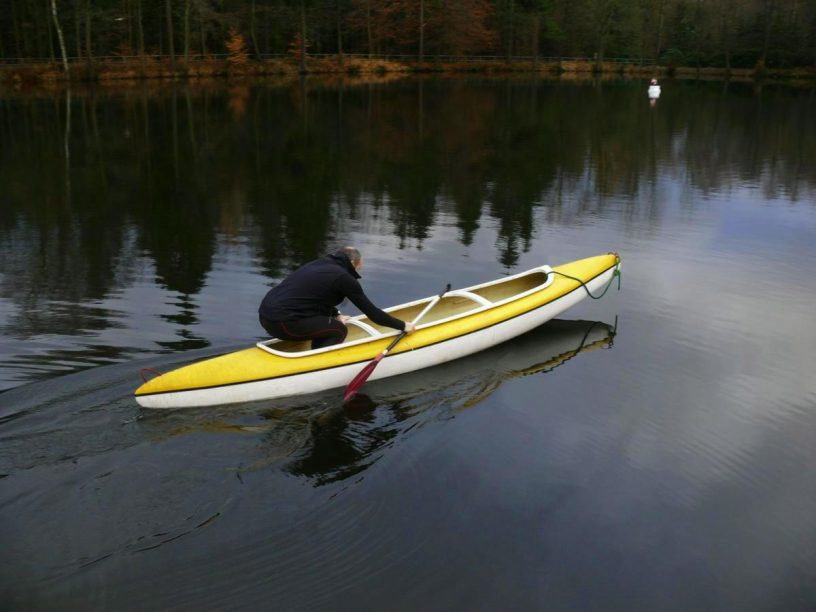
<point>676,464</point>
<point>714,250</point>
<point>743,225</point>
<point>7,309</point>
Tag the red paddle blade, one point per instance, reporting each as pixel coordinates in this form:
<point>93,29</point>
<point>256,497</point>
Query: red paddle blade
<point>359,380</point>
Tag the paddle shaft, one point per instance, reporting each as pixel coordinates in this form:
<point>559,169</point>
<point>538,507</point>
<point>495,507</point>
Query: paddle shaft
<point>425,310</point>
<point>359,380</point>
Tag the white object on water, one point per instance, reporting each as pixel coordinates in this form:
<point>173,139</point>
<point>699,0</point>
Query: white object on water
<point>654,91</point>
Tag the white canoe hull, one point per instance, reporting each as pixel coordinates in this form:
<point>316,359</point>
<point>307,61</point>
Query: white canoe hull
<point>393,365</point>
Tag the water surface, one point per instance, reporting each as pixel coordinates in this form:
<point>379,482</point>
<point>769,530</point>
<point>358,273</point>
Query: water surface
<point>653,449</point>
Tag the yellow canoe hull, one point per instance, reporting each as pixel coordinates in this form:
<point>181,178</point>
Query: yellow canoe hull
<point>463,322</point>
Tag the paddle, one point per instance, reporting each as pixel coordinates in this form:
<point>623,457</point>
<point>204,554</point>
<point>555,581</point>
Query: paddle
<point>359,380</point>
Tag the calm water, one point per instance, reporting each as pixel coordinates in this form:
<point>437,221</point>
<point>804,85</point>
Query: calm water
<point>651,450</point>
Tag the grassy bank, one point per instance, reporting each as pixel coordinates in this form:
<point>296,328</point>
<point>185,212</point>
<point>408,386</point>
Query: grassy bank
<point>116,70</point>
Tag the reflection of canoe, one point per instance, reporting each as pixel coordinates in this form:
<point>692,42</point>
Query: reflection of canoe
<point>344,443</point>
<point>654,91</point>
<point>471,379</point>
<point>463,322</point>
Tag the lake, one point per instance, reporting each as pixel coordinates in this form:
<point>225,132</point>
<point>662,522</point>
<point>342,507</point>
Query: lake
<point>654,449</point>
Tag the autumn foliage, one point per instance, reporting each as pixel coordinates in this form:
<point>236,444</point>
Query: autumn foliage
<point>295,46</point>
<point>237,53</point>
<point>464,28</point>
<point>451,28</point>
<point>144,38</point>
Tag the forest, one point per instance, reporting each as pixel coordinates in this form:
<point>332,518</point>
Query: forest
<point>697,33</point>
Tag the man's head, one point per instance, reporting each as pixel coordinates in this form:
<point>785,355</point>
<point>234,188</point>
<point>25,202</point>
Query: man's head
<point>354,256</point>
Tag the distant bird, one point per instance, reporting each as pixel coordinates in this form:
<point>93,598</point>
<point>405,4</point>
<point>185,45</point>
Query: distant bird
<point>654,90</point>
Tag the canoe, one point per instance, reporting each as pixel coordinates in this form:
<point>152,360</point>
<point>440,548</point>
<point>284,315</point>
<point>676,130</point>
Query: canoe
<point>462,322</point>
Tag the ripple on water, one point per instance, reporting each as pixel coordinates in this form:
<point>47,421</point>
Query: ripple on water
<point>277,486</point>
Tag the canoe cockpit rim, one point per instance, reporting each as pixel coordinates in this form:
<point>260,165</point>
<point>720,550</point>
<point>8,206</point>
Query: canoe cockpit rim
<point>480,304</point>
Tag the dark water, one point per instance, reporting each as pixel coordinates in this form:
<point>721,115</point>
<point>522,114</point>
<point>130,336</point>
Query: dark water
<point>666,463</point>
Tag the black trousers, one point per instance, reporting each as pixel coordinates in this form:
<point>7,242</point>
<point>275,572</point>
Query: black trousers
<point>322,331</point>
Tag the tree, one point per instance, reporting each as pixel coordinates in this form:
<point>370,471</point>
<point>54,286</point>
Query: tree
<point>169,15</point>
<point>462,27</point>
<point>601,15</point>
<point>302,36</point>
<point>237,53</point>
<point>60,37</point>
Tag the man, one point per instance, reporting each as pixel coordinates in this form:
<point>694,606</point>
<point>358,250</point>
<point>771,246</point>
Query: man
<point>303,305</point>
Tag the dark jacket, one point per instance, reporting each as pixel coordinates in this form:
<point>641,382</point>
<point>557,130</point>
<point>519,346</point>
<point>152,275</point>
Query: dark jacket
<point>316,288</point>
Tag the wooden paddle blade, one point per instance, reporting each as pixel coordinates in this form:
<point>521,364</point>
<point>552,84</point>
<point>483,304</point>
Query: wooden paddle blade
<point>359,380</point>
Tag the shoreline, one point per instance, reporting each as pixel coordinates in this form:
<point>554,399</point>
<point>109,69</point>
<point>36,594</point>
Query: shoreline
<point>125,71</point>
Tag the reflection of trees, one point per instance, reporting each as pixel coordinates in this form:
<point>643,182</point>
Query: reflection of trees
<point>348,440</point>
<point>168,174</point>
<point>291,191</point>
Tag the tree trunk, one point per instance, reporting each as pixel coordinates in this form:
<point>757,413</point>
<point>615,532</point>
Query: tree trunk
<point>78,31</point>
<point>129,13</point>
<point>768,17</point>
<point>511,29</point>
<point>725,34</point>
<point>18,38</point>
<point>202,34</point>
<point>139,28</point>
<point>660,18</point>
<point>169,16</point>
<point>605,18</point>
<point>187,32</point>
<point>48,32</point>
<point>368,29</point>
<point>16,30</point>
<point>60,37</point>
<point>267,40</point>
<point>43,41</point>
<point>302,37</point>
<point>536,28</point>
<point>421,31</point>
<point>339,32</point>
<point>252,32</point>
<point>88,49</point>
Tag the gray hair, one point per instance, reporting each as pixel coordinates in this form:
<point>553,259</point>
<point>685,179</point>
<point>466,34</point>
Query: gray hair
<point>352,253</point>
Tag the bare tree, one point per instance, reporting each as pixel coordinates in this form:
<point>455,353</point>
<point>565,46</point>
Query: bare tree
<point>60,37</point>
<point>169,15</point>
<point>302,36</point>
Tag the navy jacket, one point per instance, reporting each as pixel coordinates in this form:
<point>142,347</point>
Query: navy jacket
<point>316,288</point>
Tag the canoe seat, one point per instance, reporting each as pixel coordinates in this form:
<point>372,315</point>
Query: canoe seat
<point>504,289</point>
<point>467,294</point>
<point>357,330</point>
<point>454,303</point>
<point>364,326</point>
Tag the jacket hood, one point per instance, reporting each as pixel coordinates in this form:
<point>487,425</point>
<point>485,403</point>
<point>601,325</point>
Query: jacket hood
<point>341,258</point>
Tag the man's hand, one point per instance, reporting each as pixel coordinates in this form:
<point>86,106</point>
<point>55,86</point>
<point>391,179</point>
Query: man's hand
<point>343,318</point>
<point>409,327</point>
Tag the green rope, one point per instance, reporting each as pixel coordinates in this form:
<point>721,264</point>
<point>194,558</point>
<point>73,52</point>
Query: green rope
<point>616,273</point>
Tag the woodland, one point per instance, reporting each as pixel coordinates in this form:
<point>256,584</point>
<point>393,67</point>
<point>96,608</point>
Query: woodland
<point>726,34</point>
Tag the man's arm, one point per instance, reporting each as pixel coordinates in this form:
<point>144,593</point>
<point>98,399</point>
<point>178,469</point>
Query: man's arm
<point>354,292</point>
